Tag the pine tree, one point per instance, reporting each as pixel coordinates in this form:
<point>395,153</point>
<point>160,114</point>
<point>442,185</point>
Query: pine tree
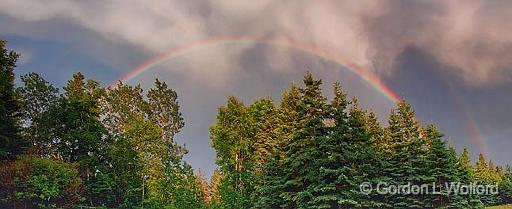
<point>11,143</point>
<point>482,170</point>
<point>360,158</point>
<point>505,187</point>
<point>467,176</point>
<point>334,185</point>
<point>378,154</point>
<point>484,176</point>
<point>299,165</point>
<point>271,184</point>
<point>288,115</point>
<point>444,171</point>
<point>408,163</point>
<point>466,166</point>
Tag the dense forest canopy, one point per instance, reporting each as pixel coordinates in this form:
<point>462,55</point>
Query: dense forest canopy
<point>86,145</point>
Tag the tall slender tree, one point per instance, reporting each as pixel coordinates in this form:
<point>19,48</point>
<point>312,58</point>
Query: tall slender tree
<point>232,137</point>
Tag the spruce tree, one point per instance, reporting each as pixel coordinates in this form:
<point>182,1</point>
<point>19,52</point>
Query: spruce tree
<point>288,116</point>
<point>300,165</point>
<point>334,185</point>
<point>485,176</point>
<point>271,184</point>
<point>444,171</point>
<point>362,158</point>
<point>408,163</point>
<point>505,187</point>
<point>11,143</point>
<point>467,176</point>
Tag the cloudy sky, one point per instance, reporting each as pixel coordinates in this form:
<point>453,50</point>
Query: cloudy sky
<point>452,59</point>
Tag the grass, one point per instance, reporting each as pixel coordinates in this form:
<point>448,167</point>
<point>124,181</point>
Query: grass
<point>501,207</point>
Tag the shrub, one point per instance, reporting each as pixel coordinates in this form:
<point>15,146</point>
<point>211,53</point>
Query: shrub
<point>33,182</point>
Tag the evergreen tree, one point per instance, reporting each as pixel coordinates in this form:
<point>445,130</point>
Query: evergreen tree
<point>288,115</point>
<point>444,171</point>
<point>485,176</point>
<point>467,176</point>
<point>271,181</point>
<point>333,186</point>
<point>300,165</point>
<point>505,187</point>
<point>271,184</point>
<point>11,143</point>
<point>408,163</point>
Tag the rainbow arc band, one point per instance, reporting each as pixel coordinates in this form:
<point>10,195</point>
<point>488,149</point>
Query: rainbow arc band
<point>365,74</point>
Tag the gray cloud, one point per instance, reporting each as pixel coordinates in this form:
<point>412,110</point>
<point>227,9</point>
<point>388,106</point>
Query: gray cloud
<point>473,37</point>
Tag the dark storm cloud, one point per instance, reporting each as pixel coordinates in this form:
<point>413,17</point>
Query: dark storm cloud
<point>474,37</point>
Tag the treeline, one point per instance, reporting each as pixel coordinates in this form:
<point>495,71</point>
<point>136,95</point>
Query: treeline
<point>91,146</point>
<point>308,152</point>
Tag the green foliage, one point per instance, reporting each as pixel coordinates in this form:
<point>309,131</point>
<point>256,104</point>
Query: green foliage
<point>71,129</point>
<point>40,182</point>
<point>308,153</point>
<point>232,137</point>
<point>505,188</point>
<point>271,184</point>
<point>115,148</point>
<point>11,143</point>
<point>485,174</point>
<point>36,97</point>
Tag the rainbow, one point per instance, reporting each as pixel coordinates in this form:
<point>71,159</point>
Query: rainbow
<point>471,124</point>
<point>365,74</point>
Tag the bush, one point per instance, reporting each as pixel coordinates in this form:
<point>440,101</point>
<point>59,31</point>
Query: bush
<point>33,182</point>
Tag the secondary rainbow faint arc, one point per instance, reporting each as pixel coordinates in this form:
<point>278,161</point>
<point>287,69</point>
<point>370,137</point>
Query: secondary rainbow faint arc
<point>365,74</point>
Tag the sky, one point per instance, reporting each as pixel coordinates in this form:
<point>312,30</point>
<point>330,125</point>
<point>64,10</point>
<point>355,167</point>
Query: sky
<point>451,59</point>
